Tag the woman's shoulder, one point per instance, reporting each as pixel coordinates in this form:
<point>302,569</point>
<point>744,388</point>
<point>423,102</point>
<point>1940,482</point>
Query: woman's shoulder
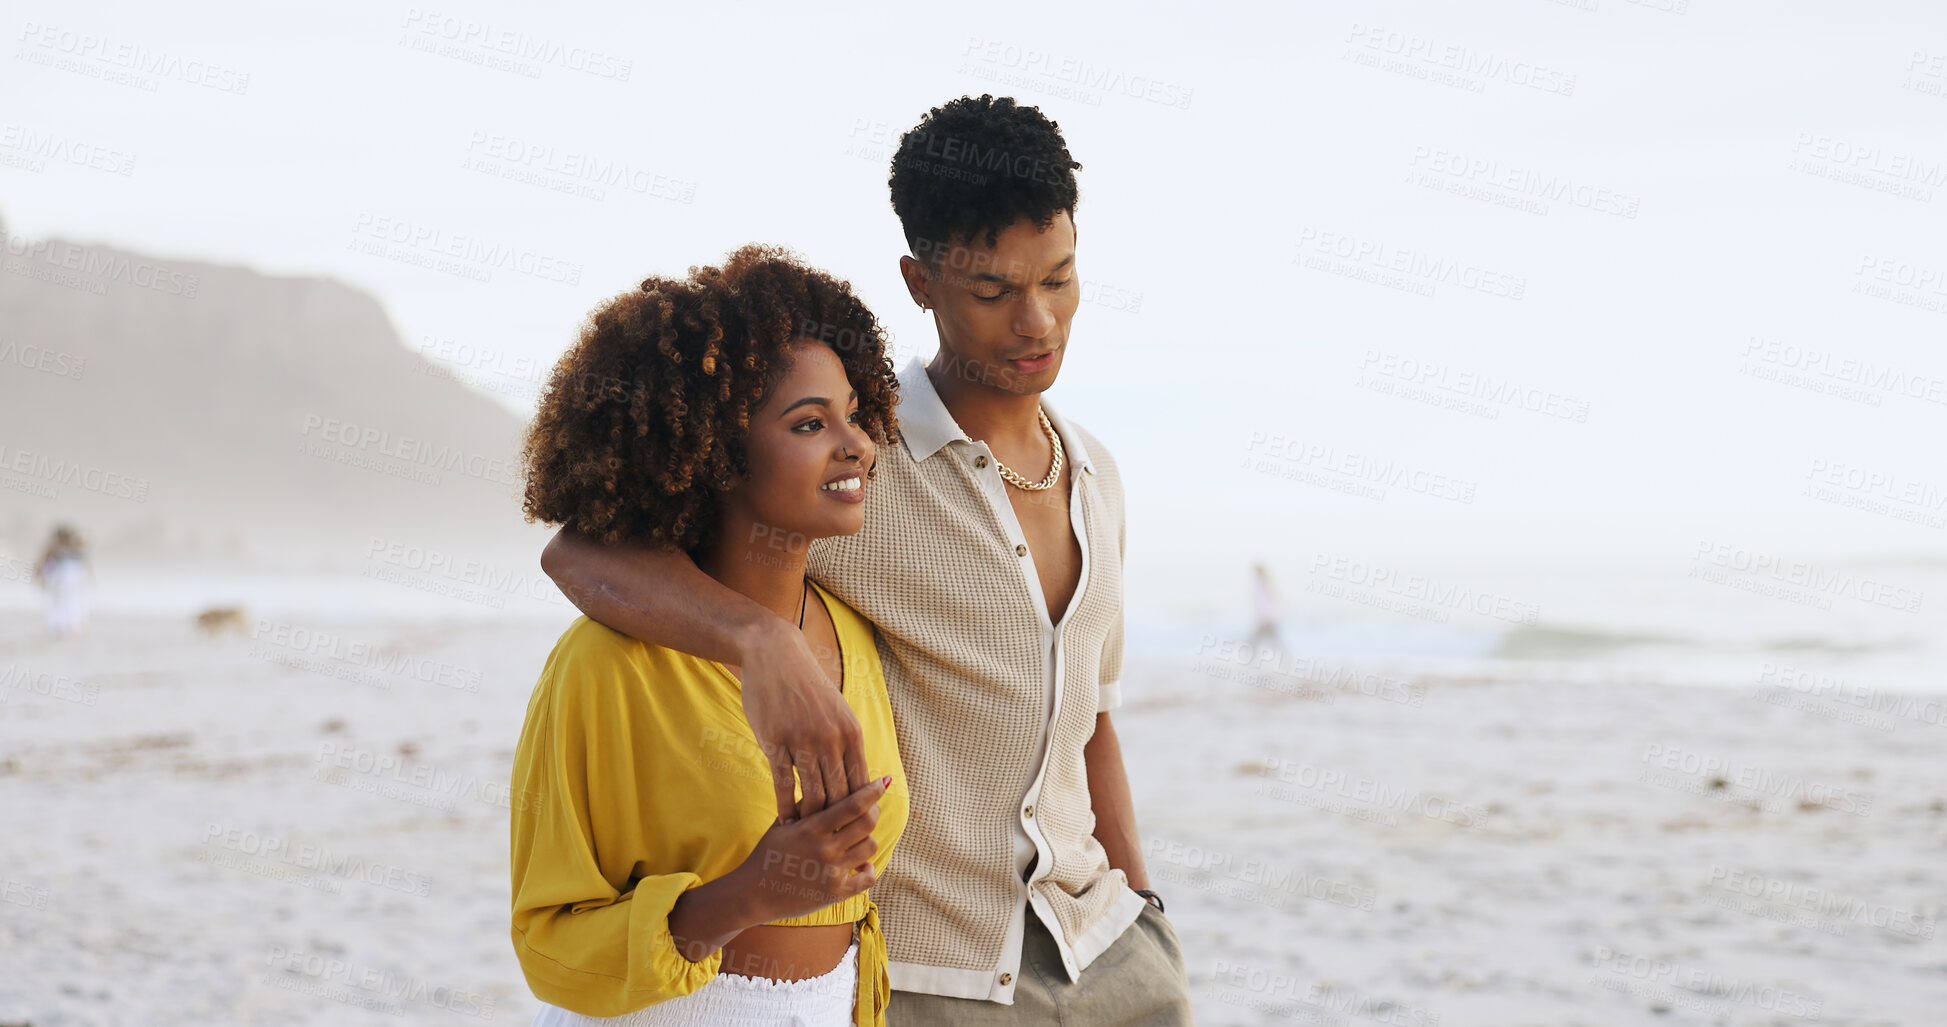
<point>858,646</point>
<point>589,640</point>
<point>592,653</point>
<point>848,621</point>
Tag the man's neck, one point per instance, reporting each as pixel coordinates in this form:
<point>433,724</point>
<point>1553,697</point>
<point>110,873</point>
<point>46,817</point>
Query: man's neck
<point>981,411</point>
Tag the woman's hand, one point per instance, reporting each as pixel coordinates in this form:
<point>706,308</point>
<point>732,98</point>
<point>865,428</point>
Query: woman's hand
<point>805,865</point>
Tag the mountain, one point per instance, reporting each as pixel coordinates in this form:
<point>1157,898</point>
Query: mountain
<point>179,410</point>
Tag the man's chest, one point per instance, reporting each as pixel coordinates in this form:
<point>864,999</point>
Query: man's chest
<point>1054,549</point>
<point>948,561</point>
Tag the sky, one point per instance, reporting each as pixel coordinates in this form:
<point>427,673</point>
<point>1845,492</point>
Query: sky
<point>1522,281</point>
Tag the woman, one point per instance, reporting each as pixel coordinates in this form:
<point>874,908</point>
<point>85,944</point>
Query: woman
<point>63,573</point>
<point>652,880</point>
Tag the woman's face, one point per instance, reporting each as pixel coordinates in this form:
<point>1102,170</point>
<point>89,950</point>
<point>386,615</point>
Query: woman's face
<point>808,456</point>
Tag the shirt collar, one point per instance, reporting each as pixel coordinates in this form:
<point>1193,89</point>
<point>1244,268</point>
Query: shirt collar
<point>927,427</point>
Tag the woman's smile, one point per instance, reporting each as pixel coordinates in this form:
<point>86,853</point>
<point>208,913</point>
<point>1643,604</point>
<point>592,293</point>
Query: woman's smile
<point>847,488</point>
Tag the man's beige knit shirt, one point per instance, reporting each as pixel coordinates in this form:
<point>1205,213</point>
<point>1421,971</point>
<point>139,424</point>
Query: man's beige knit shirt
<point>992,700</point>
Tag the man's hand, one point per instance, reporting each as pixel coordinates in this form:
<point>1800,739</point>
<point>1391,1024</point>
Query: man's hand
<point>802,722</point>
<point>658,595</point>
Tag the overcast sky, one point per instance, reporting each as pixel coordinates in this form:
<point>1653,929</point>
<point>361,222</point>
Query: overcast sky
<point>1566,278</point>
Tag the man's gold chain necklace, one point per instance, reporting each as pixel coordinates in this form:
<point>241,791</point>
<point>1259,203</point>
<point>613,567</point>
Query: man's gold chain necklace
<point>1054,472</point>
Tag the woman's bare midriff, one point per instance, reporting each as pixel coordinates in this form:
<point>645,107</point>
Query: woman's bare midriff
<point>786,953</point>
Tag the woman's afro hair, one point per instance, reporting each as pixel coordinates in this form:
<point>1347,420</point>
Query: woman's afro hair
<point>643,424</point>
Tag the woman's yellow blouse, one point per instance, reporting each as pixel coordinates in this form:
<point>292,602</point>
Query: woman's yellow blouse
<point>637,778</point>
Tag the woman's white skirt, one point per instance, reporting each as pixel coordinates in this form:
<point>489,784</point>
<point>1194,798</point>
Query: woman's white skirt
<point>66,581</point>
<point>734,1000</point>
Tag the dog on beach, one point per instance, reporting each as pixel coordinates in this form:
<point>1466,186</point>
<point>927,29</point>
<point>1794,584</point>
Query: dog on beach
<point>217,620</point>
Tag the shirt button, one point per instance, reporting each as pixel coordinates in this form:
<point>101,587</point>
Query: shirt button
<point>1090,468</point>
<point>1007,978</point>
<point>1021,550</point>
<point>1030,812</point>
<point>980,461</point>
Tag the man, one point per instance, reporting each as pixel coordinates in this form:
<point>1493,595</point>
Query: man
<point>991,562</point>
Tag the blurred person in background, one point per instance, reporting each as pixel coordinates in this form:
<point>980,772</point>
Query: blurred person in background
<point>1264,606</point>
<point>63,576</point>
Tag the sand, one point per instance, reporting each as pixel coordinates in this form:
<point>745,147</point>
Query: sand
<point>308,826</point>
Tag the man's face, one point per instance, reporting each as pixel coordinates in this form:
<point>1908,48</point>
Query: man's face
<point>1003,310</point>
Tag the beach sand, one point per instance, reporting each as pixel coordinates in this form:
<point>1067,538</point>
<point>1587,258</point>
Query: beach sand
<point>309,826</point>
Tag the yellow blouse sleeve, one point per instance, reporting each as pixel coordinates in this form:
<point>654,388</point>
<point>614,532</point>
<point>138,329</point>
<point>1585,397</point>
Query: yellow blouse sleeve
<point>587,944</point>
